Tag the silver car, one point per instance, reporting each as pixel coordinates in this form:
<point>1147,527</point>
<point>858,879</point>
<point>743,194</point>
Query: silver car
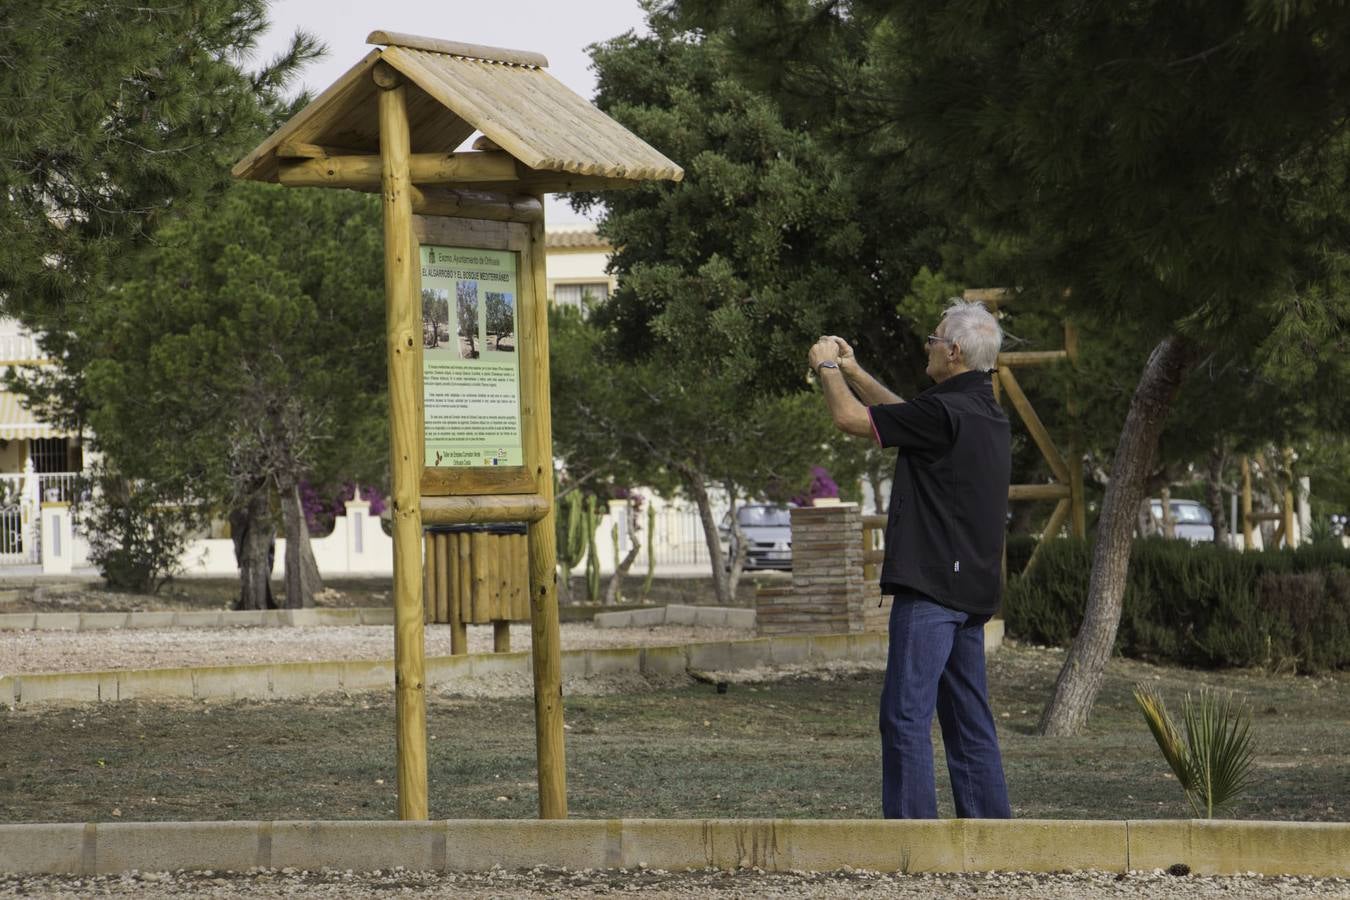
<point>768,536</point>
<point>1192,520</point>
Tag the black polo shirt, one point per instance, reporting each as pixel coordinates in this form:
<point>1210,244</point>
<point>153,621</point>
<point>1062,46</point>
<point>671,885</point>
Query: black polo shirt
<point>949,497</point>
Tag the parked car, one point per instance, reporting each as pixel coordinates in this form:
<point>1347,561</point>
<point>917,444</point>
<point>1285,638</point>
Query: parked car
<point>1193,521</point>
<point>768,536</point>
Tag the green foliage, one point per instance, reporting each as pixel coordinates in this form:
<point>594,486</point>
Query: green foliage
<point>1213,763</point>
<point>248,348</point>
<point>136,535</point>
<point>115,115</point>
<point>1200,605</point>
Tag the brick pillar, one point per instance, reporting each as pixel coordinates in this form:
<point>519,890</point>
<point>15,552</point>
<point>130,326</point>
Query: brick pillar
<point>828,595</point>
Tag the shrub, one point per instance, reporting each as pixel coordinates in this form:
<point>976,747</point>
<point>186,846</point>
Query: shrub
<point>136,537</point>
<point>1200,605</point>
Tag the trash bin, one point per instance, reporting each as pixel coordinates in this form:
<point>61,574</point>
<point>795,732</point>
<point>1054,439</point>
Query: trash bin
<point>475,575</point>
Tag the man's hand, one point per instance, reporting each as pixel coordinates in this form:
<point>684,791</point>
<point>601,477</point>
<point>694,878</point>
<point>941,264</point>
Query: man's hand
<point>847,362</point>
<point>823,350</point>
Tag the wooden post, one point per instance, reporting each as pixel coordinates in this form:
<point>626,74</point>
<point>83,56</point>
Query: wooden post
<point>460,602</point>
<point>429,577</point>
<point>443,581</point>
<point>1052,527</point>
<point>1290,540</point>
<point>1248,542</point>
<point>404,333</point>
<point>501,636</point>
<point>479,603</point>
<point>546,641</point>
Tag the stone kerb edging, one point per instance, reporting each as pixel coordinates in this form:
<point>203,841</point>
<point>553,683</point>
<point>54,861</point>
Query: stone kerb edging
<point>1317,849</point>
<point>308,678</point>
<point>305,679</point>
<point>248,618</point>
<point>678,614</point>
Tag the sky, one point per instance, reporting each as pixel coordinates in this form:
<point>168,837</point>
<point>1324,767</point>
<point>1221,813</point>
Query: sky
<point>559,30</point>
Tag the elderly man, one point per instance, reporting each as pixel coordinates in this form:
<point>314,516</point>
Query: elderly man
<point>944,543</point>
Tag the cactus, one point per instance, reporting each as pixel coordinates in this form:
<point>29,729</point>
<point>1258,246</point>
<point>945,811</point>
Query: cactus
<point>571,537</point>
<point>651,550</point>
<point>589,521</point>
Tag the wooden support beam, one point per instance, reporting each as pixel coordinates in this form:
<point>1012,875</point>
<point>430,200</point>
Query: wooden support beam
<point>990,297</point>
<point>1290,538</point>
<point>466,510</point>
<point>1051,532</point>
<point>461,609</point>
<point>1034,424</point>
<point>501,636</point>
<point>537,437</point>
<point>480,205</point>
<point>361,172</point>
<point>404,347</point>
<point>303,150</point>
<point>1032,357</point>
<point>1276,516</point>
<point>442,548</point>
<point>1248,540</point>
<point>1039,491</point>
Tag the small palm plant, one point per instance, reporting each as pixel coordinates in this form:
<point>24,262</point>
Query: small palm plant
<point>1213,763</point>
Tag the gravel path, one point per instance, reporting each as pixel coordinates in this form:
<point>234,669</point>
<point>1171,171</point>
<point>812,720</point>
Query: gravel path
<point>655,883</point>
<point>86,651</point>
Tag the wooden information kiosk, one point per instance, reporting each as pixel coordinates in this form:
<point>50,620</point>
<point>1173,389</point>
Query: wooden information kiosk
<point>471,440</point>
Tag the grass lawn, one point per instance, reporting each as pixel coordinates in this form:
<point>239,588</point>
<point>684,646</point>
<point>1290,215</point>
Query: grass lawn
<point>803,747</point>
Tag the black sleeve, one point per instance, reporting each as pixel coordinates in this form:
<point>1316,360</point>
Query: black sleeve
<point>920,425</point>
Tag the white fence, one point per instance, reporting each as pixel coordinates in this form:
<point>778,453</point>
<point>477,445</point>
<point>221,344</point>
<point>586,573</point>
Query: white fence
<point>357,545</point>
<point>21,498</point>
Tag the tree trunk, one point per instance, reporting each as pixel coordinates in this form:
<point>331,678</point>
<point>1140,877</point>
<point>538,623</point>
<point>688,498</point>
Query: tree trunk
<point>1081,677</point>
<point>1214,494</point>
<point>700,493</point>
<point>622,567</point>
<point>742,550</point>
<point>302,572</point>
<point>254,537</point>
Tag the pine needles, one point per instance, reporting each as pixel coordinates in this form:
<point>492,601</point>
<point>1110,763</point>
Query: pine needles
<point>1213,762</point>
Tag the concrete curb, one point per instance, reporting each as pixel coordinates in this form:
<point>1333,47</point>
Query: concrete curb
<point>252,618</point>
<point>305,679</point>
<point>678,614</point>
<point>950,845</point>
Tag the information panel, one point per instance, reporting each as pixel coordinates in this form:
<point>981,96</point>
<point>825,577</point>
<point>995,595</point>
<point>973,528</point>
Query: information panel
<point>470,367</point>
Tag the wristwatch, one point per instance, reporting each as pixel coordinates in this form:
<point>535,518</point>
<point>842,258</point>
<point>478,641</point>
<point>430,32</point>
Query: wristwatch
<point>826,365</point>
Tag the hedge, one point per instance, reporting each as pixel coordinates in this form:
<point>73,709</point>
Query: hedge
<point>1200,605</point>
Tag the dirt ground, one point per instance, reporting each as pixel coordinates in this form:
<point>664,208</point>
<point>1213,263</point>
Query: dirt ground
<point>804,745</point>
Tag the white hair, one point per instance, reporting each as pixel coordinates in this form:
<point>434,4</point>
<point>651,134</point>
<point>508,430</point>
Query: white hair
<point>975,330</point>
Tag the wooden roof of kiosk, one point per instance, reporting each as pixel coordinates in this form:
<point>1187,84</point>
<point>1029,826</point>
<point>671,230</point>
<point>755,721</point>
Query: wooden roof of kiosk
<point>538,136</point>
<point>391,125</point>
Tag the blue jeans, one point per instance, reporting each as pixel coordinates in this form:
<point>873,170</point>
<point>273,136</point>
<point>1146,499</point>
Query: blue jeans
<point>936,661</point>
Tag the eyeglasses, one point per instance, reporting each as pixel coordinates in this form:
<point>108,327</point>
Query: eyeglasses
<point>934,339</point>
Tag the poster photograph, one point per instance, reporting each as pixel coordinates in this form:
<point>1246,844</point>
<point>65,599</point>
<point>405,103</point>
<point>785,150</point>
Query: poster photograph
<point>470,367</point>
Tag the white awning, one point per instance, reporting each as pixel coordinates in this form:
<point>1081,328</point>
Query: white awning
<point>18,423</point>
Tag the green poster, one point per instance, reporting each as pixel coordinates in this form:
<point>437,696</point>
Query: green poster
<point>470,367</point>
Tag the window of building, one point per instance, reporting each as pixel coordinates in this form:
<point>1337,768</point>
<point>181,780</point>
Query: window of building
<point>53,455</point>
<point>582,296</point>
